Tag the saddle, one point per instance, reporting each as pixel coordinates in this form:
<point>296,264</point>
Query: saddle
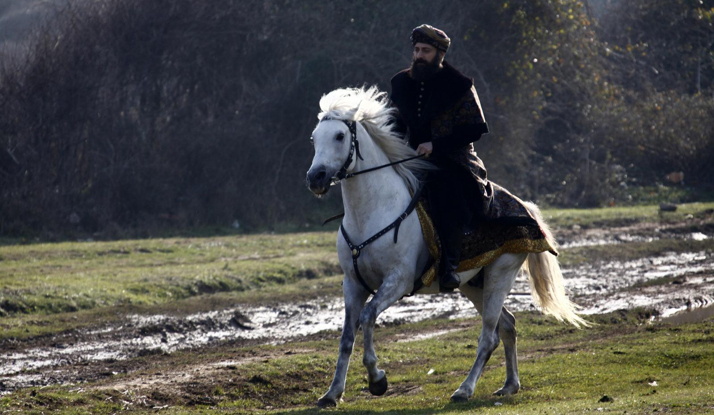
<point>506,227</point>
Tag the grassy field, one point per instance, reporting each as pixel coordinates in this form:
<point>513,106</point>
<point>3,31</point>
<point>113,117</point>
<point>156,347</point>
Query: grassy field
<point>640,366</point>
<point>625,365</point>
<point>628,215</point>
<point>52,278</point>
<point>51,287</point>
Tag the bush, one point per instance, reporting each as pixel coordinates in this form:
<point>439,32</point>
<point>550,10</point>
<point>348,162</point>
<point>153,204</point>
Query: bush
<point>177,113</point>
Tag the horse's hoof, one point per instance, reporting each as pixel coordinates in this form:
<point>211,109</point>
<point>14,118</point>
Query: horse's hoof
<point>323,403</point>
<point>458,398</point>
<point>379,387</point>
<point>507,390</point>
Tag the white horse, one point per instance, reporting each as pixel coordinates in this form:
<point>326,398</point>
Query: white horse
<point>361,117</point>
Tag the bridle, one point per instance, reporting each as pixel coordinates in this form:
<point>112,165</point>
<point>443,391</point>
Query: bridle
<point>354,147</point>
<point>343,175</point>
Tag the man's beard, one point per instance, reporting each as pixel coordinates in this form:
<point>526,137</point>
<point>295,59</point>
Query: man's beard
<point>422,70</point>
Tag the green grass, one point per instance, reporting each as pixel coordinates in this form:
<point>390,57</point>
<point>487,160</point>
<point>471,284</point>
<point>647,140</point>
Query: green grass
<point>82,282</point>
<point>562,371</point>
<point>630,251</point>
<point>650,195</point>
<point>626,215</point>
<point>24,326</point>
<point>51,288</point>
<point>67,277</point>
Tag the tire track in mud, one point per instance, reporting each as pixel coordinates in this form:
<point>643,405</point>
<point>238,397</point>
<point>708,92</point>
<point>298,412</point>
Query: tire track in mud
<point>667,283</point>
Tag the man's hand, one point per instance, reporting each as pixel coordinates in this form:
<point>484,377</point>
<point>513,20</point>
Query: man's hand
<point>425,148</point>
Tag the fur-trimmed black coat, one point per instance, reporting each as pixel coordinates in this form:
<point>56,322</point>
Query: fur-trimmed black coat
<point>446,111</point>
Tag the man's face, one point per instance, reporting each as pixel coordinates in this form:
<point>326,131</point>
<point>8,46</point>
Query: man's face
<point>424,53</point>
<point>426,61</point>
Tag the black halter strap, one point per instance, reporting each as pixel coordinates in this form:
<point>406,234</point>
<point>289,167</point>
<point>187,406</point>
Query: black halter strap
<point>357,249</point>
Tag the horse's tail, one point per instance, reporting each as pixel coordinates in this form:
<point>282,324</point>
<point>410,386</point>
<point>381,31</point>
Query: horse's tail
<point>546,279</point>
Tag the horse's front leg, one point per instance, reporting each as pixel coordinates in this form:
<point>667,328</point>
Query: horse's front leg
<point>355,297</point>
<point>391,290</point>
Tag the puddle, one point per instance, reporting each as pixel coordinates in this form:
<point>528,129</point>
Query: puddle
<point>695,315</point>
<point>622,285</point>
<point>597,288</point>
<point>597,239</point>
<point>610,240</point>
<point>165,334</point>
<point>698,236</point>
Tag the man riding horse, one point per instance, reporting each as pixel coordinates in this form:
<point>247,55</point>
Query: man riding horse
<point>441,115</point>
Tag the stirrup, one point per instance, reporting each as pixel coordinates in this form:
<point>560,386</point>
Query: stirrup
<point>450,280</point>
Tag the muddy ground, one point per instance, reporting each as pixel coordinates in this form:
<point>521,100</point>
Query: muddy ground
<point>671,284</point>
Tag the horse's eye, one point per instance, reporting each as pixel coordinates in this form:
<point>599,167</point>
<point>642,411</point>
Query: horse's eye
<point>312,140</point>
<point>340,137</point>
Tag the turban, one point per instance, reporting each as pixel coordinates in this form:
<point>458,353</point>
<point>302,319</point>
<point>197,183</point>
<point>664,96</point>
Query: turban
<point>431,36</point>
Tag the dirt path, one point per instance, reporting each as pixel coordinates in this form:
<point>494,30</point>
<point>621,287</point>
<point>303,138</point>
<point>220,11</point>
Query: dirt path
<point>669,283</point>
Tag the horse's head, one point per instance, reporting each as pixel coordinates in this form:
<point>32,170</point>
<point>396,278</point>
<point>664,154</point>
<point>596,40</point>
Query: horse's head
<point>332,141</point>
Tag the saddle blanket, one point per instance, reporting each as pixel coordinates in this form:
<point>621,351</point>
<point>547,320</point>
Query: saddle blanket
<point>507,228</point>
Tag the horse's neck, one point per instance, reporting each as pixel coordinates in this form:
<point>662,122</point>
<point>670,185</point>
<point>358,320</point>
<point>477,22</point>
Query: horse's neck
<point>375,199</point>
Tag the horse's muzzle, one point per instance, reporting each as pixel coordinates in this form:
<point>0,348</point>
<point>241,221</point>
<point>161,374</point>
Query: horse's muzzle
<point>318,181</point>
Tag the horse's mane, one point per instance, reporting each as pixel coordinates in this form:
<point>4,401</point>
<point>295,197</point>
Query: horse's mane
<point>370,107</point>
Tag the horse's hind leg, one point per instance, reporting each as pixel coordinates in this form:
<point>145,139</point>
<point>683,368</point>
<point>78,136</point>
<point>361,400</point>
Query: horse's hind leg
<point>355,297</point>
<point>507,334</point>
<point>498,281</point>
<point>390,291</point>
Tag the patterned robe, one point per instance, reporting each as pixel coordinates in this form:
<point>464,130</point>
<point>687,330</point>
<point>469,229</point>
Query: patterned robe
<point>446,111</point>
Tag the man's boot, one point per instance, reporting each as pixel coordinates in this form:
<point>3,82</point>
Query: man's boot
<point>451,246</point>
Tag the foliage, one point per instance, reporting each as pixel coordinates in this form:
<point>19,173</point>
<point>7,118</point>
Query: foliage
<point>662,58</point>
<point>175,114</point>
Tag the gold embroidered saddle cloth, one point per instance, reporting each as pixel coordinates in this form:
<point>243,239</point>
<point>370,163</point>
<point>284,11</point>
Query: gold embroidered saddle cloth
<point>507,228</point>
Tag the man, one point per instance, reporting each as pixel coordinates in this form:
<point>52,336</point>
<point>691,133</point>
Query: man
<point>441,114</point>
